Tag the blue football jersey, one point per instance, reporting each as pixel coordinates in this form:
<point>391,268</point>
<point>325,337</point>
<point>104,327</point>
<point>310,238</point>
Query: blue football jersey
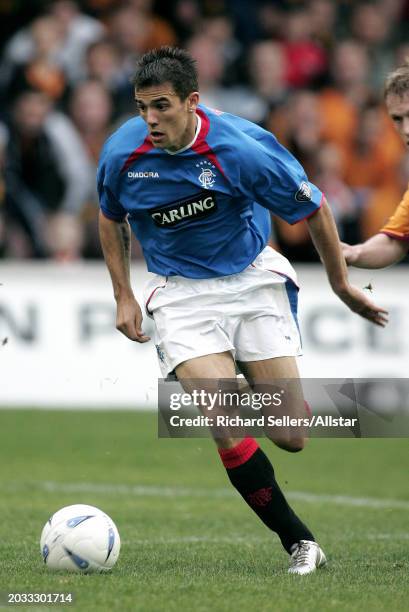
<point>203,211</point>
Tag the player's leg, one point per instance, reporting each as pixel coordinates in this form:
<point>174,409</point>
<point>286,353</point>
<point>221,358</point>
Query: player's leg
<point>188,321</point>
<point>210,373</point>
<point>279,376</point>
<point>306,555</point>
<point>247,466</point>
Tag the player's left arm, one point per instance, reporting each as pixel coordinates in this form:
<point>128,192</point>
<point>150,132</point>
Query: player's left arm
<point>272,177</point>
<point>324,234</point>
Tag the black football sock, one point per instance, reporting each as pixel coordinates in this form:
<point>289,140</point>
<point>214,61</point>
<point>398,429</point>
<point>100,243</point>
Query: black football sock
<point>252,474</point>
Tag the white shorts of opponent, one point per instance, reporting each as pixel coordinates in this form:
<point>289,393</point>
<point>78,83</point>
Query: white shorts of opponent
<point>253,313</point>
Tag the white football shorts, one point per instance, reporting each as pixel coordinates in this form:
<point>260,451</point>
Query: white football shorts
<point>253,313</point>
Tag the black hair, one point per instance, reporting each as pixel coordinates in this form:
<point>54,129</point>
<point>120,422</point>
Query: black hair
<point>167,64</point>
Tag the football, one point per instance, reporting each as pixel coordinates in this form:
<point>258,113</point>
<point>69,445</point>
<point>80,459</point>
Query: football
<point>80,538</point>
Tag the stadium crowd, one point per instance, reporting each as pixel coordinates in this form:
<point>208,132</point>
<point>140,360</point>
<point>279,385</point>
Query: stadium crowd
<point>311,72</point>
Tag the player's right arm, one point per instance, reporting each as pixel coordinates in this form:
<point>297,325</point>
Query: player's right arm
<point>379,251</point>
<point>115,237</point>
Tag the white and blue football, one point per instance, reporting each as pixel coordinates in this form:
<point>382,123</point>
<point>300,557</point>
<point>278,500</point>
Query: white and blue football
<point>80,538</point>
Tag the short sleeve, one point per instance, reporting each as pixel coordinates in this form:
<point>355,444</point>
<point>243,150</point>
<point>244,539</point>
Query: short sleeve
<point>275,179</point>
<point>398,225</point>
<point>109,205</point>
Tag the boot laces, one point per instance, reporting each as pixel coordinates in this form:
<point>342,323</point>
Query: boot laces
<point>301,554</point>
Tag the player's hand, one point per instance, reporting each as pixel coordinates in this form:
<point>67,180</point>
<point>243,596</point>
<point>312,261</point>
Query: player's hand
<point>350,252</point>
<point>129,319</point>
<point>358,302</point>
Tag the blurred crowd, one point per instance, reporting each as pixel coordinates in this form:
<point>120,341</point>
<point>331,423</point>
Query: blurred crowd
<point>311,72</point>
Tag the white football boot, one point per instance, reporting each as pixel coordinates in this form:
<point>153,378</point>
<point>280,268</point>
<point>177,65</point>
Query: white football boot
<point>306,557</point>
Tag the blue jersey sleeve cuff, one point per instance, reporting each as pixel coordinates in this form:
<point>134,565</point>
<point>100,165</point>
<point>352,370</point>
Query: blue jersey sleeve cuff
<point>311,208</point>
<point>112,216</point>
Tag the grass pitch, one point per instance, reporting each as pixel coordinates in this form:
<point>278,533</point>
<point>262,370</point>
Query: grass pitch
<point>189,543</point>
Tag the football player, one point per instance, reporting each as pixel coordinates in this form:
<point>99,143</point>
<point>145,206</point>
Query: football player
<point>391,243</point>
<point>196,186</point>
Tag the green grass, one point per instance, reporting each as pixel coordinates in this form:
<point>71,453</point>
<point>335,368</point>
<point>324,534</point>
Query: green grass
<point>188,542</point>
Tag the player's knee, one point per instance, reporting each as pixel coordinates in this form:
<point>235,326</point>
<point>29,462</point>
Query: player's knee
<point>296,445</point>
<point>291,445</point>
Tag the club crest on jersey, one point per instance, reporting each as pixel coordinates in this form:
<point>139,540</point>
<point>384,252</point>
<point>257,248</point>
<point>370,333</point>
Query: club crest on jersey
<point>304,193</point>
<point>207,176</point>
<point>198,206</point>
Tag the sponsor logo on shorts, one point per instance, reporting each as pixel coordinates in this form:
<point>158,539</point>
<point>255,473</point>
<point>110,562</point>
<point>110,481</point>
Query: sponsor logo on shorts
<point>198,206</point>
<point>160,352</point>
<point>304,193</point>
<point>143,175</point>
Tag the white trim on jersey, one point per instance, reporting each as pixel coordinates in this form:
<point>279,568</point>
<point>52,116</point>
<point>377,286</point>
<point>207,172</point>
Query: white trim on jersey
<point>198,128</point>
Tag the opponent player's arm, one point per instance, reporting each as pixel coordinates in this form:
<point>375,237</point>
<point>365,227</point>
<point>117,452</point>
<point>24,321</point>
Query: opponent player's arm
<point>324,234</point>
<point>115,240</point>
<point>379,251</point>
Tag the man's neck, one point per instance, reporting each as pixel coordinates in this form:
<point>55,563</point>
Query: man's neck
<point>191,134</point>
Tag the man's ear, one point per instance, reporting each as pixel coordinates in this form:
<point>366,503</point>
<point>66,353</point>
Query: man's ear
<point>193,101</point>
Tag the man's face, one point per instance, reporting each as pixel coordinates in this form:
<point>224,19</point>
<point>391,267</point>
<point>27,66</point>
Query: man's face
<point>170,120</point>
<point>398,109</point>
